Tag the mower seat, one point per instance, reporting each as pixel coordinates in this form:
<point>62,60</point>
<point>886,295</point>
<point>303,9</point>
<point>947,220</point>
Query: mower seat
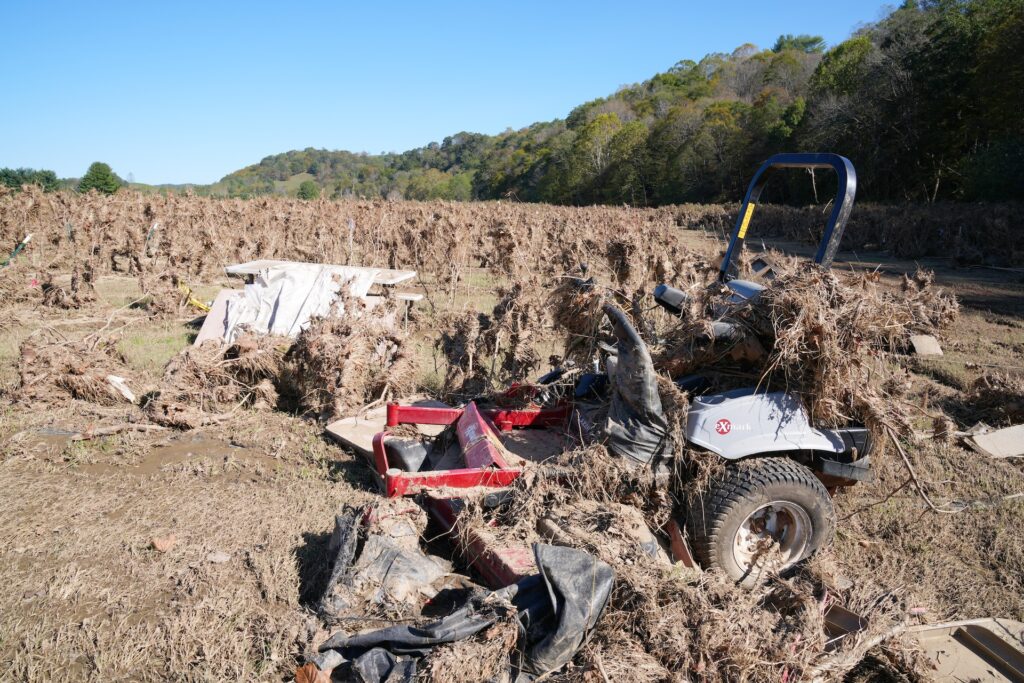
<point>692,384</point>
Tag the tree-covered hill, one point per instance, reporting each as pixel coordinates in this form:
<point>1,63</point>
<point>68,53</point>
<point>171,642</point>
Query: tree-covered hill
<point>927,103</point>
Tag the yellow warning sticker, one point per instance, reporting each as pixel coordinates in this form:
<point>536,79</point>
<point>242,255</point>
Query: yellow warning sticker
<point>746,220</point>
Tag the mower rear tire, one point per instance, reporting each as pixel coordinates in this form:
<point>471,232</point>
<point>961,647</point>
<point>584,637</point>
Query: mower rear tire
<point>762,515</point>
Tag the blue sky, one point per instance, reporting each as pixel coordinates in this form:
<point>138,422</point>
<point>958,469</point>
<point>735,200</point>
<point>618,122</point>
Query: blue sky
<point>190,91</point>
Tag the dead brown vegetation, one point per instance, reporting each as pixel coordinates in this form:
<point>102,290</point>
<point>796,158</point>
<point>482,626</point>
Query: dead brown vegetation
<point>203,384</point>
<point>340,363</point>
<point>52,368</point>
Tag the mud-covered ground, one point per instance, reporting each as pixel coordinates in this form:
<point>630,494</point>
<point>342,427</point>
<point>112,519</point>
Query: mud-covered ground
<point>242,509</point>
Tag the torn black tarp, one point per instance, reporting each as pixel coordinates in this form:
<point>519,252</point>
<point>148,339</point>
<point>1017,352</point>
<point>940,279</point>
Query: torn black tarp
<point>387,568</point>
<point>342,547</point>
<point>577,589</point>
<point>555,609</point>
<point>636,428</point>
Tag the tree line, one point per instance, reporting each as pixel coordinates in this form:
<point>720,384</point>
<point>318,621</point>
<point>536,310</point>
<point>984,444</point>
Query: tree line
<point>926,102</point>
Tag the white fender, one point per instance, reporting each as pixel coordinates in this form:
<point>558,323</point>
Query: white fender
<point>739,423</point>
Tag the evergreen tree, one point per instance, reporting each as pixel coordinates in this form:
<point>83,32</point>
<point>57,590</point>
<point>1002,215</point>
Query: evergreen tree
<point>101,178</point>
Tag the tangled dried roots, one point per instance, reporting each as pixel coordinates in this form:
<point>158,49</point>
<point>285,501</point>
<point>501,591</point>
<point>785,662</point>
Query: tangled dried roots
<point>825,341</point>
<point>930,307</point>
<point>818,334</point>
<point>462,344</point>
<point>998,398</point>
<point>340,362</point>
<point>204,382</point>
<point>518,320</point>
<point>80,291</point>
<point>164,295</point>
<point>483,657</point>
<point>661,622</point>
<point>51,369</point>
<point>18,284</point>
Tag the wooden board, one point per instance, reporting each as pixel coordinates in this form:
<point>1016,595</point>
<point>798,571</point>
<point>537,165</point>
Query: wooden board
<point>1002,443</point>
<point>213,326</point>
<point>357,431</point>
<point>384,276</point>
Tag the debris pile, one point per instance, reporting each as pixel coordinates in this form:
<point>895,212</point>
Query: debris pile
<point>80,290</point>
<point>998,397</point>
<point>340,362</point>
<point>18,284</point>
<point>379,569</point>
<point>823,335</point>
<point>51,368</point>
<point>701,622</point>
<point>204,384</point>
<point>527,629</point>
<point>462,346</point>
<point>165,295</point>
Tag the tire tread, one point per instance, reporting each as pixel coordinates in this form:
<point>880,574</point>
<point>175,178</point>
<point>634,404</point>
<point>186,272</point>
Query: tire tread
<point>739,484</point>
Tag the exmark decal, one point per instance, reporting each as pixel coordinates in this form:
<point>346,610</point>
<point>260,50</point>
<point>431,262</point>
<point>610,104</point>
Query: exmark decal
<point>723,426</point>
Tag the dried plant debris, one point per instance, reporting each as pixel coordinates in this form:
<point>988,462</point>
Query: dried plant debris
<point>19,284</point>
<point>997,398</point>
<point>80,290</point>
<point>53,369</point>
<point>461,343</point>
<point>824,335</point>
<point>341,362</point>
<point>164,295</point>
<point>664,622</point>
<point>518,320</point>
<point>203,384</point>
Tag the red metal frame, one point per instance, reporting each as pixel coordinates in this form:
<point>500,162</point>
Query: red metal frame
<point>503,419</point>
<point>498,565</point>
<point>486,463</point>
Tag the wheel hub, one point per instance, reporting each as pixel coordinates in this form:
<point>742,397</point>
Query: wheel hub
<point>776,533</point>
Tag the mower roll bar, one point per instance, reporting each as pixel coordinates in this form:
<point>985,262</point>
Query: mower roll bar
<point>836,221</point>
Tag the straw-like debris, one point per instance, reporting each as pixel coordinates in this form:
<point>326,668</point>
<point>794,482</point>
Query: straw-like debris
<point>164,295</point>
<point>202,384</point>
<point>820,334</point>
<point>997,398</point>
<point>19,284</point>
<point>341,362</point>
<point>461,343</point>
<point>79,291</point>
<point>52,369</point>
<point>516,323</point>
<point>701,623</point>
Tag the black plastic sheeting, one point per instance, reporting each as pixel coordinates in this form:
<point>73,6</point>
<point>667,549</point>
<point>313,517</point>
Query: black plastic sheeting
<point>637,428</point>
<point>556,609</point>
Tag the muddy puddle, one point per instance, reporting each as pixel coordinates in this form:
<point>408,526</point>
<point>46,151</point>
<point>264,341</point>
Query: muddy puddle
<point>179,450</point>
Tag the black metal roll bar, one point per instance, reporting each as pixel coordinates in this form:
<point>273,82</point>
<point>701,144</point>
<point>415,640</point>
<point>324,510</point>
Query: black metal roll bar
<point>836,220</point>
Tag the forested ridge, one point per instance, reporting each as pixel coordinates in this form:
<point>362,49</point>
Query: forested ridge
<point>928,103</point>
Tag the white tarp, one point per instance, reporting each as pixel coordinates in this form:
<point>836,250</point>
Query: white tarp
<point>282,299</point>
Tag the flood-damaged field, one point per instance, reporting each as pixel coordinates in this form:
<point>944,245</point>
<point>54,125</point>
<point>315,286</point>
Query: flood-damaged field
<point>182,531</point>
